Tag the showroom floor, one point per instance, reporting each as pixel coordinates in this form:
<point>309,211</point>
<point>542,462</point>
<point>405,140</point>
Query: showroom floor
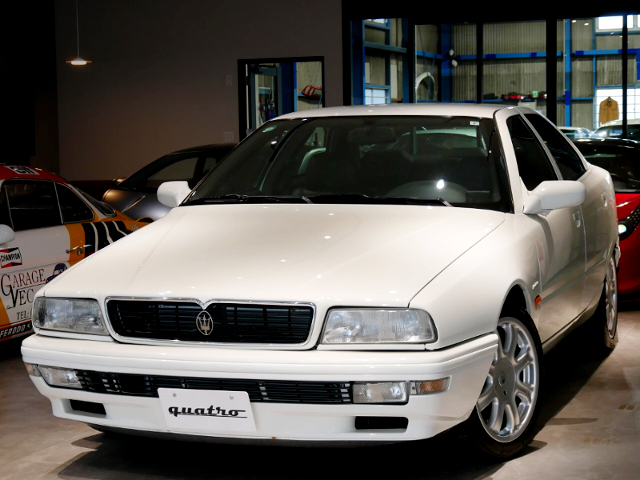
<point>591,416</point>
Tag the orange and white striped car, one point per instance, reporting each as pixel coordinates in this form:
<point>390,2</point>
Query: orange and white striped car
<point>46,226</point>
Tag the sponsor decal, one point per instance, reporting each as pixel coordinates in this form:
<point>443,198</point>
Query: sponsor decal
<point>210,411</point>
<point>21,287</point>
<point>10,257</point>
<point>22,170</point>
<point>15,329</point>
<point>59,268</point>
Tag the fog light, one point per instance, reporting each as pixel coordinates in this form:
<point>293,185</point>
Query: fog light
<point>383,392</point>
<point>431,386</point>
<point>60,377</point>
<point>32,369</point>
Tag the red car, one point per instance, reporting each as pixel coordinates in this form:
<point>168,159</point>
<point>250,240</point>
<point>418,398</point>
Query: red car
<point>622,159</point>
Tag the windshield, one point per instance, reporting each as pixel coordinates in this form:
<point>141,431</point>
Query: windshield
<point>189,166</point>
<point>622,162</point>
<point>375,159</point>
<point>102,207</point>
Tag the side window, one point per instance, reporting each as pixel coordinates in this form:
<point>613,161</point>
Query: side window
<point>533,163</point>
<point>181,170</point>
<point>32,204</point>
<point>5,218</point>
<point>568,161</point>
<point>73,209</point>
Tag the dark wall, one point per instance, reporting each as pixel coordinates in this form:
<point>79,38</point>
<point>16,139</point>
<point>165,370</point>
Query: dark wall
<point>164,73</point>
<point>29,132</point>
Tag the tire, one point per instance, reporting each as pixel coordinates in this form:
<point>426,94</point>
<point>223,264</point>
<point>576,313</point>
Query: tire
<point>512,385</point>
<point>604,323</point>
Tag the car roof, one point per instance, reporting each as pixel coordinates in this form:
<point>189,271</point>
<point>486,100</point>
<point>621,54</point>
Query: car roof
<point>630,121</point>
<point>204,148</point>
<point>8,171</point>
<point>613,142</point>
<point>440,109</point>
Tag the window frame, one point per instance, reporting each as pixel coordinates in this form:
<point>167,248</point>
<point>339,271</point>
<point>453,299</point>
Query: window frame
<point>548,152</point>
<point>537,138</point>
<point>30,180</point>
<point>56,184</point>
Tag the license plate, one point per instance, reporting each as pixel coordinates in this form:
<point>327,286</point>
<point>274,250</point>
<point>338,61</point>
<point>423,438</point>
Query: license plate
<point>207,410</point>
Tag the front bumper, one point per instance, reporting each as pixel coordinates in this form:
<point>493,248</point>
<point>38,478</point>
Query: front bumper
<point>466,364</point>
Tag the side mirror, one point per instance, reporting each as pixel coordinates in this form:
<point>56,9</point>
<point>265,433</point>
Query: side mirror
<point>6,234</point>
<point>553,195</point>
<point>171,194</point>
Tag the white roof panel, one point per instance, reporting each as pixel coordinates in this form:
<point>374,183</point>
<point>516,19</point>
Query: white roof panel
<point>440,109</point>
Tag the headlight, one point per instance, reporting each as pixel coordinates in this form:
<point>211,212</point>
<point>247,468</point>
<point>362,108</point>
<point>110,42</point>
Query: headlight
<point>379,326</point>
<point>68,315</point>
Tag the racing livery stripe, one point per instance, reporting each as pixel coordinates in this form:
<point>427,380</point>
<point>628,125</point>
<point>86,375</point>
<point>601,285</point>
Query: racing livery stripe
<point>4,318</point>
<point>123,227</point>
<point>114,233</point>
<point>90,238</point>
<point>76,240</point>
<point>101,231</point>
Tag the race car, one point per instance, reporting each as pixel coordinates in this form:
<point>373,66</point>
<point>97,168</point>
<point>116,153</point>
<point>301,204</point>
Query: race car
<point>46,226</point>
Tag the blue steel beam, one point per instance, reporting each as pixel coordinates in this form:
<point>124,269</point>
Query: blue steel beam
<point>357,64</point>
<point>446,71</point>
<point>567,72</point>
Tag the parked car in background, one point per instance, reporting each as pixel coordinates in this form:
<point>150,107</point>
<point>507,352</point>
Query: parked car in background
<point>331,281</point>
<point>614,129</point>
<point>575,132</point>
<point>622,159</point>
<point>136,195</point>
<point>46,226</point>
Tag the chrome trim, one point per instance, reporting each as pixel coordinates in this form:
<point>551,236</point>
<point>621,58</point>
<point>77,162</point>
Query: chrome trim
<point>204,305</point>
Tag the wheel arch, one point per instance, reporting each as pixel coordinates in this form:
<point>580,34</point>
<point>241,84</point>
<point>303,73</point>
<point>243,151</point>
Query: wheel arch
<point>516,299</point>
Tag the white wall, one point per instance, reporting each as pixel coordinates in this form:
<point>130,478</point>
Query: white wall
<point>157,81</point>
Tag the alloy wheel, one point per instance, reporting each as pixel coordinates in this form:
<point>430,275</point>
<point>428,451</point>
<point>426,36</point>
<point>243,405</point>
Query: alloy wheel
<point>611,298</point>
<point>510,391</point>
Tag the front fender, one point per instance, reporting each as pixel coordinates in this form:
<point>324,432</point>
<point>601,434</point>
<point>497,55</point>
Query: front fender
<point>466,298</point>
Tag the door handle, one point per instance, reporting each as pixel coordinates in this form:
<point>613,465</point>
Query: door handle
<point>79,249</point>
<point>576,218</point>
<point>604,199</point>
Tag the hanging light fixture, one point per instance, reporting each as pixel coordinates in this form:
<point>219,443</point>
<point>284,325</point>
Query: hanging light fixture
<point>78,61</point>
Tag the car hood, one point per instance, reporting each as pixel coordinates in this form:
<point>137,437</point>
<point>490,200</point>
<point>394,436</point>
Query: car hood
<point>361,255</point>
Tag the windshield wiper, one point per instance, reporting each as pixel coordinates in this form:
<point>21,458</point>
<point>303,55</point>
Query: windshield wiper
<point>357,198</point>
<point>238,198</point>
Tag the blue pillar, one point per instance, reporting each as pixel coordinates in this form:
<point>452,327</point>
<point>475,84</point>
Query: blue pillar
<point>287,82</point>
<point>446,73</point>
<point>567,72</point>
<point>407,81</point>
<point>357,64</point>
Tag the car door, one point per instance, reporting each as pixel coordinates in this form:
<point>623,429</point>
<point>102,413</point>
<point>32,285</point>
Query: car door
<point>596,209</point>
<point>40,247</point>
<point>559,235</point>
<point>87,232</point>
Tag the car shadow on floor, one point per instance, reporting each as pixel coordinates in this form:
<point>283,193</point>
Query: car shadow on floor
<point>569,367</point>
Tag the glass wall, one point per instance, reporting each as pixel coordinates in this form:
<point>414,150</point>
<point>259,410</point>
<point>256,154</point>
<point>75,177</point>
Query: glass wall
<point>588,65</point>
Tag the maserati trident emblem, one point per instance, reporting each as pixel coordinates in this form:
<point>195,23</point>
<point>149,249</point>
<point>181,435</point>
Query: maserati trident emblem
<point>204,322</point>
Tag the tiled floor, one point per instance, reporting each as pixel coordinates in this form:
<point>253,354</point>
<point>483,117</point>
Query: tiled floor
<point>590,430</point>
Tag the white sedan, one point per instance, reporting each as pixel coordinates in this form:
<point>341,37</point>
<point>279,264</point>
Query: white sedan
<point>346,274</point>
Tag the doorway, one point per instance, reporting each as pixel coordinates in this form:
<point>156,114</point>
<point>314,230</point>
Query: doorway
<point>269,88</point>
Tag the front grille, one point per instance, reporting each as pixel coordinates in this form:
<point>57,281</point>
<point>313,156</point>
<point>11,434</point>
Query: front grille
<point>231,322</point>
<point>273,391</point>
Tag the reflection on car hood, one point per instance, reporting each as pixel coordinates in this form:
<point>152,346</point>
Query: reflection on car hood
<point>326,254</point>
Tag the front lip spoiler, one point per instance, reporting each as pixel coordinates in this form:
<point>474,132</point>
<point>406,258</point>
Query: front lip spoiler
<point>273,442</point>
